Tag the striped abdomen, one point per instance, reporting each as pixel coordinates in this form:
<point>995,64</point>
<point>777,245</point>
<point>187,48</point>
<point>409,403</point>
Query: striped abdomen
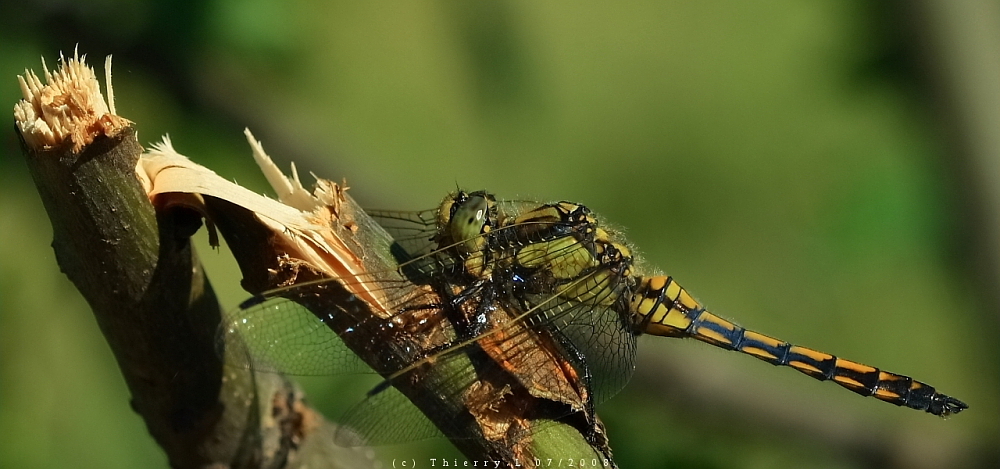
<point>663,308</point>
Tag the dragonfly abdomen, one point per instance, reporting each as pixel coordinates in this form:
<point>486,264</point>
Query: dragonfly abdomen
<point>664,308</point>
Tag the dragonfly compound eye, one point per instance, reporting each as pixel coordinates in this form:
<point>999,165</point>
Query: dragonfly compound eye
<point>467,222</point>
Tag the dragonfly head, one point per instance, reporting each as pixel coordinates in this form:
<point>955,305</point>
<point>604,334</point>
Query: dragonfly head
<point>464,217</point>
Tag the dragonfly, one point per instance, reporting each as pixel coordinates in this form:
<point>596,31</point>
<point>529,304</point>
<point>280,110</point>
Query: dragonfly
<point>512,308</point>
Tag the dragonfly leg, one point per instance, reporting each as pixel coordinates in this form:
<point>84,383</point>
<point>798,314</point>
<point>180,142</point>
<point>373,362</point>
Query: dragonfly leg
<point>472,321</point>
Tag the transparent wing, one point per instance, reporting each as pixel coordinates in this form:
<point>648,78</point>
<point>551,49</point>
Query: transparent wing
<point>592,331</point>
<point>385,418</point>
<point>584,316</point>
<point>298,332</point>
<point>599,335</point>
<point>281,336</point>
<point>459,384</point>
<point>413,231</point>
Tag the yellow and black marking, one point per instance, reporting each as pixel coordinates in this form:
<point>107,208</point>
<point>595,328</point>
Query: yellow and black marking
<point>664,308</point>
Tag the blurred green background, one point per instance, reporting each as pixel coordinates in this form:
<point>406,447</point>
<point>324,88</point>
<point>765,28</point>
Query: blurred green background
<point>801,167</point>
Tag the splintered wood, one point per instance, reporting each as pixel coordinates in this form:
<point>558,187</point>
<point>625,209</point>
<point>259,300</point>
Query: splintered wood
<point>68,108</point>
